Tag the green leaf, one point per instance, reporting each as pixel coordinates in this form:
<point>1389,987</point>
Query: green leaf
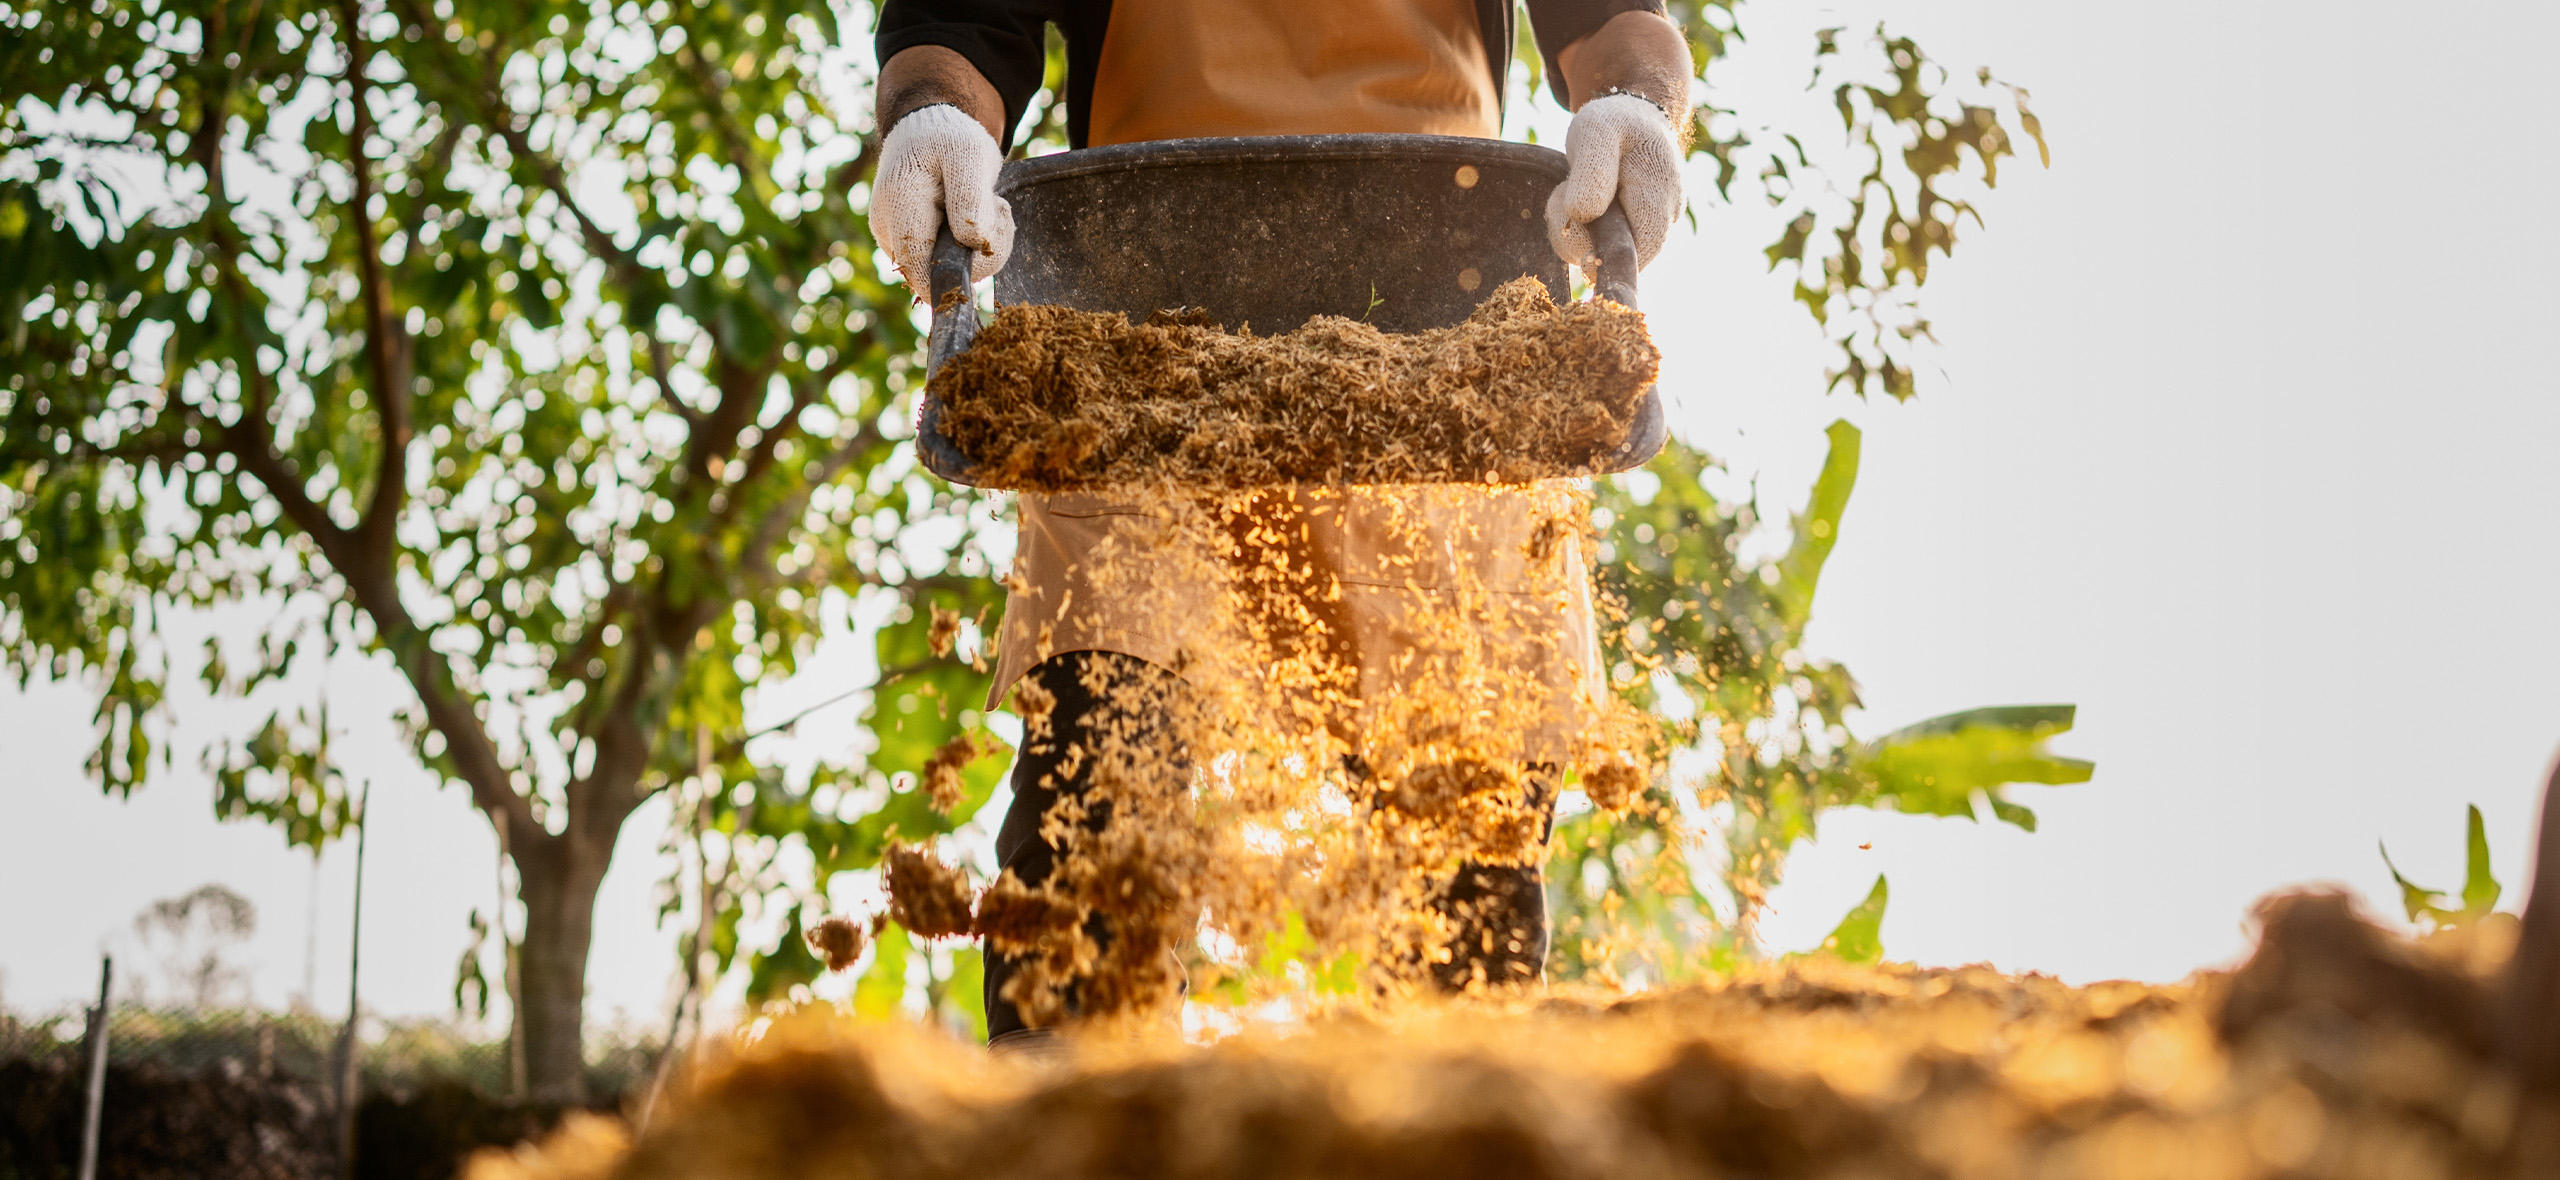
<point>1711,645</point>
<point>470,983</point>
<point>1790,245</point>
<point>1341,977</point>
<point>2013,814</point>
<point>1859,938</point>
<point>1937,766</point>
<point>1282,947</point>
<point>2416,902</point>
<point>2479,889</point>
<point>1817,528</point>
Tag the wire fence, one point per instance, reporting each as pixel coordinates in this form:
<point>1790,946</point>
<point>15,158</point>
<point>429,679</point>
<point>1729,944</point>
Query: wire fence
<point>244,1092</point>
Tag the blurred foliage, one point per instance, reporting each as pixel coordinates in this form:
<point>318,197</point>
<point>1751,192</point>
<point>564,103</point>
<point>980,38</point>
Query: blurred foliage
<point>908,976</point>
<point>2480,889</point>
<point>1710,642</point>
<point>399,1056</point>
<point>1287,964</point>
<point>538,352</point>
<point>1861,227</point>
<point>471,990</point>
<point>1754,746</point>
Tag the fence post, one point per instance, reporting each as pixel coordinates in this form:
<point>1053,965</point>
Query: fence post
<point>97,1070</point>
<point>350,1078</point>
<point>515,990</point>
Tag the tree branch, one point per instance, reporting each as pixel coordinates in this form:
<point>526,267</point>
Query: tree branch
<point>617,598</point>
<point>599,802</point>
<point>658,368</point>
<point>378,527</point>
<point>377,594</point>
<point>250,439</point>
<point>768,533</point>
<point>497,116</point>
<point>741,154</point>
<point>760,459</point>
<point>369,576</point>
<point>147,452</point>
<point>737,745</point>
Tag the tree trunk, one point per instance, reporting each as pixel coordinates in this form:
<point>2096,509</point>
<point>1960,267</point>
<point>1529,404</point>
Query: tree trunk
<point>558,877</point>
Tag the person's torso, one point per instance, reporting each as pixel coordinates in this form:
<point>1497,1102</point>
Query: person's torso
<point>1174,69</point>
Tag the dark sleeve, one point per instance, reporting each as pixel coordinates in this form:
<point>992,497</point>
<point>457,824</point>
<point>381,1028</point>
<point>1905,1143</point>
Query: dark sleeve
<point>1007,40</point>
<point>1558,23</point>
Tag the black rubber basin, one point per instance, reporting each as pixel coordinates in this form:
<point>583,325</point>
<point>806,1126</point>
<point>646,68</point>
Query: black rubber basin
<point>1407,232</point>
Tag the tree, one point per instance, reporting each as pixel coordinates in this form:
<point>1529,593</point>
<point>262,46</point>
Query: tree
<point>189,934</point>
<point>537,351</point>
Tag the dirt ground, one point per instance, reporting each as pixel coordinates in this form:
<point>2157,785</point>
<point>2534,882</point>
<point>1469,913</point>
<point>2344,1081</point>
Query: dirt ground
<point>2339,1050</point>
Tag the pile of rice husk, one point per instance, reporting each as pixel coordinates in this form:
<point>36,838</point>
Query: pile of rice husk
<point>2339,1051</point>
<point>1053,399</point>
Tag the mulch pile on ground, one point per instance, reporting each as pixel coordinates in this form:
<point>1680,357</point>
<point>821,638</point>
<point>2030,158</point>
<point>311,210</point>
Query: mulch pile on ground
<point>2339,1051</point>
<point>1053,399</point>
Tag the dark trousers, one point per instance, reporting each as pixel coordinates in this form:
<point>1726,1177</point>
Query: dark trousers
<point>1500,910</point>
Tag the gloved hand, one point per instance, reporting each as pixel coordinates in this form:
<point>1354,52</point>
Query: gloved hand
<point>939,163</point>
<point>1619,147</point>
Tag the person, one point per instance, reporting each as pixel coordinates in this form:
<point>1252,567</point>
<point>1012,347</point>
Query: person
<point>958,75</point>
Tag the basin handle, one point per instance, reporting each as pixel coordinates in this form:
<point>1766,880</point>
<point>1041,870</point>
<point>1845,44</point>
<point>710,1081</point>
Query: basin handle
<point>1614,242</point>
<point>955,326</point>
<point>955,313</point>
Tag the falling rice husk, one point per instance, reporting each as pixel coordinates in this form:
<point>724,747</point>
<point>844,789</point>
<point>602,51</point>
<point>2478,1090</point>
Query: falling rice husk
<point>837,940</point>
<point>1052,399</point>
<point>1271,780</point>
<point>941,774</point>
<point>926,896</point>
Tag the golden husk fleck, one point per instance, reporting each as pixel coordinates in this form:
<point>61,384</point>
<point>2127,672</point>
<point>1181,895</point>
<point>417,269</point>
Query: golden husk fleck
<point>837,940</point>
<point>928,897</point>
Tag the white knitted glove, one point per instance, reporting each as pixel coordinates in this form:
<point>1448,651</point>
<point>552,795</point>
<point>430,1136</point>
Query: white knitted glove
<point>1619,147</point>
<point>939,162</point>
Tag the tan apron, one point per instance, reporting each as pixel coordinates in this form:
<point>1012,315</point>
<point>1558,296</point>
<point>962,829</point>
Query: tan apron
<point>1173,69</point>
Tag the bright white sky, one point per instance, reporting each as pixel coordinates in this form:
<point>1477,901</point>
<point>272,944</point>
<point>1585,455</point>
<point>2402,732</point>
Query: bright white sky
<point>2237,440</point>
